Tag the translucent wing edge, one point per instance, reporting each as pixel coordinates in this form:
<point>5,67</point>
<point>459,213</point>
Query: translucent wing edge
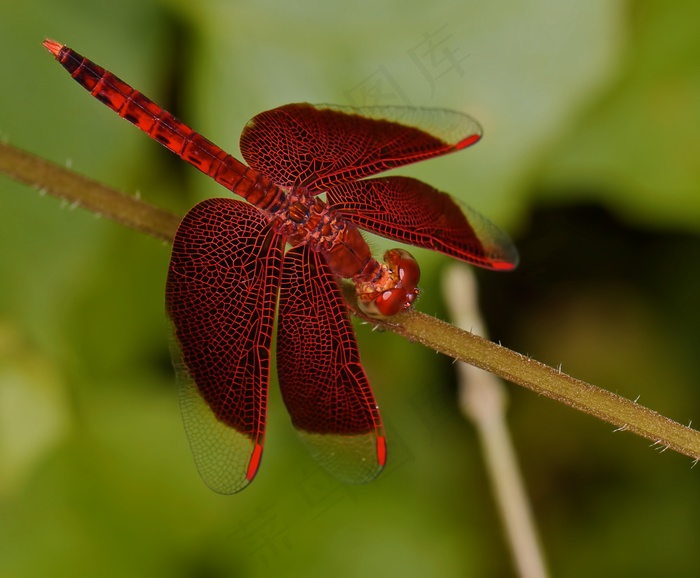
<point>206,435</point>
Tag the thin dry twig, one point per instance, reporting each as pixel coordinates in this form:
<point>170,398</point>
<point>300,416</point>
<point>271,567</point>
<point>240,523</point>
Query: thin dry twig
<point>483,400</point>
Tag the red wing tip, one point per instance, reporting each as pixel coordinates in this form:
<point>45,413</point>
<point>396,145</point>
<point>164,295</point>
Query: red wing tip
<point>52,46</point>
<point>254,462</point>
<point>503,265</point>
<point>381,451</point>
<point>467,142</point>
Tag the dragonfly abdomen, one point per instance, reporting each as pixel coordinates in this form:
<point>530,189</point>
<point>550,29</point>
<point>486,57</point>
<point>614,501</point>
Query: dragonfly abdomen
<point>167,129</point>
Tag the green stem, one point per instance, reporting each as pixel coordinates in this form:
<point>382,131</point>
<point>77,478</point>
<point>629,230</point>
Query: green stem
<point>80,191</point>
<point>622,413</point>
<point>438,335</point>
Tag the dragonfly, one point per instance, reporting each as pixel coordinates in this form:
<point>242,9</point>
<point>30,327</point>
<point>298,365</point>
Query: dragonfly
<point>237,265</point>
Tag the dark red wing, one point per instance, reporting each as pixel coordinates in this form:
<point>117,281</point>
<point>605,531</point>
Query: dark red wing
<point>412,212</point>
<point>319,146</point>
<point>221,295</point>
<point>321,378</point>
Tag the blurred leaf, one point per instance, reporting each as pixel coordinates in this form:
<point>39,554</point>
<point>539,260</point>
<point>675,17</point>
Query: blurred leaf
<point>637,148</point>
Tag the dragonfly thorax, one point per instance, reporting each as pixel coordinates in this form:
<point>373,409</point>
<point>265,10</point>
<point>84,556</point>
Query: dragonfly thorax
<point>305,219</point>
<point>383,289</point>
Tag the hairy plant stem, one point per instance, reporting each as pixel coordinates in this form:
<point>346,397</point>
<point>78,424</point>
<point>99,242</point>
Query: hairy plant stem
<point>438,335</point>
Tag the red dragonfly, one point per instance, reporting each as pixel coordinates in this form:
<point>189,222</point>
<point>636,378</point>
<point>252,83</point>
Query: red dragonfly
<point>229,263</point>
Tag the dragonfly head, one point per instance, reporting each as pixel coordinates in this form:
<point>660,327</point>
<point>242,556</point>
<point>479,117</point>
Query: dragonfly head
<point>396,290</point>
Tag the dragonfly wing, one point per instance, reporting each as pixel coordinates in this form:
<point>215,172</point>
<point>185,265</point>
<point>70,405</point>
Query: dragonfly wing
<point>409,211</point>
<point>321,378</point>
<point>318,146</point>
<point>221,295</point>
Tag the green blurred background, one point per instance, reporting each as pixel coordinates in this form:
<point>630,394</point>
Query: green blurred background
<point>591,160</point>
